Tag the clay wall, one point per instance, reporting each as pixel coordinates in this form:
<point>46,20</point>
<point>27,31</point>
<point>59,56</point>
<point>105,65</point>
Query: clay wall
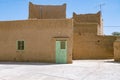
<point>39,38</point>
<point>117,49</point>
<point>90,19</point>
<point>47,11</point>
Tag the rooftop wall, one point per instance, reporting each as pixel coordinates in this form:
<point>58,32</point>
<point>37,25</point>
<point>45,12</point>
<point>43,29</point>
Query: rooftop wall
<point>90,19</point>
<point>47,11</point>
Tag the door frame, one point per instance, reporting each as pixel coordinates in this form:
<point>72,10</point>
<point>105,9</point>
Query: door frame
<point>61,51</point>
<point>60,39</point>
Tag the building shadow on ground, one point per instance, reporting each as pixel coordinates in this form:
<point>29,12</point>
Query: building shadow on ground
<point>28,63</point>
<point>25,63</point>
<point>112,61</point>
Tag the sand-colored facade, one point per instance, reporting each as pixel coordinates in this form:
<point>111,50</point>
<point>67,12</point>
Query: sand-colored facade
<point>39,37</point>
<point>117,49</point>
<point>47,36</point>
<point>93,47</point>
<point>89,41</point>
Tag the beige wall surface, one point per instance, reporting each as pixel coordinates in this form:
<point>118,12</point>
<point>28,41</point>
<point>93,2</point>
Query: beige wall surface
<point>38,36</point>
<point>92,47</point>
<point>86,28</point>
<point>47,11</point>
<point>117,49</point>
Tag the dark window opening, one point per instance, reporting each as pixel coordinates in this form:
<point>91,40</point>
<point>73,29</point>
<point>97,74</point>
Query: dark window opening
<point>62,44</point>
<point>20,45</point>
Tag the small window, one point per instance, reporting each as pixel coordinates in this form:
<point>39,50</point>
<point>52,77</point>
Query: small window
<point>20,45</point>
<point>62,44</point>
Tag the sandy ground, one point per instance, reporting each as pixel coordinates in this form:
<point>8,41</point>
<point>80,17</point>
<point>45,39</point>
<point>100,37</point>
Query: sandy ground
<point>79,70</point>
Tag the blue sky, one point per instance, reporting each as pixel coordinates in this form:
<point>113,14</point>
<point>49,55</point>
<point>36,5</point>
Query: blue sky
<point>18,10</point>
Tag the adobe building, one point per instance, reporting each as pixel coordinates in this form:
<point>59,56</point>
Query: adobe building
<point>43,37</point>
<point>47,36</point>
<point>89,40</point>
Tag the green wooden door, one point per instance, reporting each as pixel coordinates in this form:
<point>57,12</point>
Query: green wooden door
<point>61,52</point>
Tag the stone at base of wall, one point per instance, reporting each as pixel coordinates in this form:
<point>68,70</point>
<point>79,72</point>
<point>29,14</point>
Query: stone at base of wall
<point>117,60</point>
